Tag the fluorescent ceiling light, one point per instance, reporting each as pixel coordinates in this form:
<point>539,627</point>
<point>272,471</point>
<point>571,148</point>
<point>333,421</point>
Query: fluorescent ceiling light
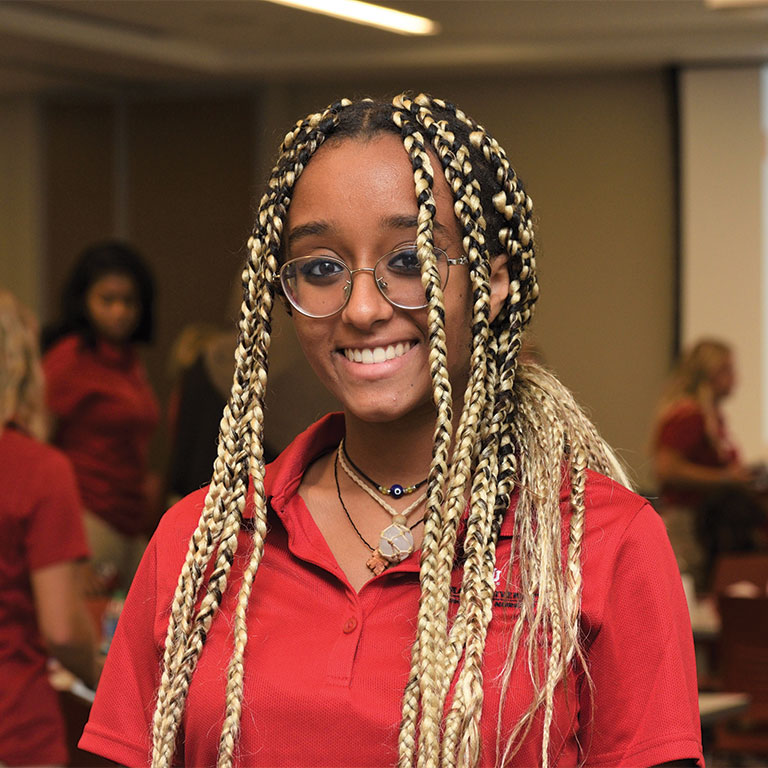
<point>720,5</point>
<point>368,13</point>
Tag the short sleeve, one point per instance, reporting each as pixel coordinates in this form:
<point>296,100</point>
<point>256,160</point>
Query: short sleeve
<point>643,707</point>
<point>54,532</point>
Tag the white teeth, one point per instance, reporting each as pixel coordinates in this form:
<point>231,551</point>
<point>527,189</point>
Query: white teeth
<point>377,354</point>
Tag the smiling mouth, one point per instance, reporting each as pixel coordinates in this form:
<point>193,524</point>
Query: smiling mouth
<point>369,356</point>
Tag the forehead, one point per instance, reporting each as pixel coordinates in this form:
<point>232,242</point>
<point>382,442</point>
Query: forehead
<point>364,177</point>
<point>114,282</point>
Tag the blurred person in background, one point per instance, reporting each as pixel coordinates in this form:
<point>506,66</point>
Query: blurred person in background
<point>201,370</point>
<point>706,490</point>
<point>42,609</point>
<point>104,407</point>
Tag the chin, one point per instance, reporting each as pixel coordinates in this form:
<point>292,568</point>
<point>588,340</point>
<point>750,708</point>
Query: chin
<point>379,412</point>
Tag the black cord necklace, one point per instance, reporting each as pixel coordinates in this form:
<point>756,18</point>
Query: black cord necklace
<point>376,563</point>
<point>396,490</point>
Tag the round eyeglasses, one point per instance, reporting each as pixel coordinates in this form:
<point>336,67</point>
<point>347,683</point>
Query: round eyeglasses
<point>320,286</point>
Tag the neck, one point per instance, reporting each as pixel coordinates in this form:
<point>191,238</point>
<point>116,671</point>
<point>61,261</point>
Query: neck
<point>388,452</point>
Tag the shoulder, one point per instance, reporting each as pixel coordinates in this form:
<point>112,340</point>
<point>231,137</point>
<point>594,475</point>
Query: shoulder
<point>63,355</point>
<point>616,521</point>
<point>21,451</point>
<point>66,347</point>
<point>609,504</point>
<point>614,514</point>
<point>625,547</point>
<point>686,410</point>
<point>178,523</point>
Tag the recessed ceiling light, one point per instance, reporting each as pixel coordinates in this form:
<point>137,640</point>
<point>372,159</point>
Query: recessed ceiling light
<point>368,13</point>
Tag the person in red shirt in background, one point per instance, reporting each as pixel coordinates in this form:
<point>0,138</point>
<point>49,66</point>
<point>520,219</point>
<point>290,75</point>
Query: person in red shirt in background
<point>104,407</point>
<point>704,485</point>
<point>42,609</point>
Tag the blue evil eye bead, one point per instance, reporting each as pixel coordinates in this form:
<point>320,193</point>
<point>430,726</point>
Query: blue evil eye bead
<point>397,490</point>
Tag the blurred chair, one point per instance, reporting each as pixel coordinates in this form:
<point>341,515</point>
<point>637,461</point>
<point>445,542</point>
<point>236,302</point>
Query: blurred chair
<point>744,668</point>
<point>734,568</point>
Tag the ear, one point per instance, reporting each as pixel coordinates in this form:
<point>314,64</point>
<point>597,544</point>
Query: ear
<point>499,283</point>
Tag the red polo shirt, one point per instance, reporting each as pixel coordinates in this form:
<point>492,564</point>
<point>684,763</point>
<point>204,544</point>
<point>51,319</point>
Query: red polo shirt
<point>326,666</point>
<point>40,520</point>
<point>106,413</point>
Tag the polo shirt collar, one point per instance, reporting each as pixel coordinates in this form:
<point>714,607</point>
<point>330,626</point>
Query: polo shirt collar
<point>283,475</point>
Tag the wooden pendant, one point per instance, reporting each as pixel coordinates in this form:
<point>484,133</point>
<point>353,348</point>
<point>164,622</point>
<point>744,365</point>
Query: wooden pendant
<point>377,563</point>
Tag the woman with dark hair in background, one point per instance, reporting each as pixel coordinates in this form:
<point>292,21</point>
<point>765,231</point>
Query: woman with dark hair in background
<point>42,610</point>
<point>104,408</point>
<point>438,575</point>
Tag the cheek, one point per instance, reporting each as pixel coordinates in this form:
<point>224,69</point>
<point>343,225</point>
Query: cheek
<point>94,308</point>
<point>313,337</point>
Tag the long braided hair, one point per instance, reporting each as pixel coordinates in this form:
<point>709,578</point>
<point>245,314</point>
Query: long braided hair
<point>519,428</point>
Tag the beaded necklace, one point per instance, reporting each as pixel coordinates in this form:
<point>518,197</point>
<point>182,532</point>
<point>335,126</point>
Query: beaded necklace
<point>396,540</point>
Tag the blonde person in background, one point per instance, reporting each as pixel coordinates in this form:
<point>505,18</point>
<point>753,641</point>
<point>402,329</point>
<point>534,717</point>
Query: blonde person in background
<point>704,485</point>
<point>42,610</point>
<point>438,575</point>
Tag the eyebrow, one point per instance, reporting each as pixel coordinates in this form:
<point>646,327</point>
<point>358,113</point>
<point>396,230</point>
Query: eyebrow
<point>397,221</point>
<point>409,221</point>
<point>308,229</point>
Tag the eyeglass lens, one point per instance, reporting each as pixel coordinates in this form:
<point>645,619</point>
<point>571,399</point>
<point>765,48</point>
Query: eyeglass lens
<point>319,286</point>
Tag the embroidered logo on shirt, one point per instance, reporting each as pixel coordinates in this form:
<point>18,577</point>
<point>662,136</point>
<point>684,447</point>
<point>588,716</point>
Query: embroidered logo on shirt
<point>502,598</point>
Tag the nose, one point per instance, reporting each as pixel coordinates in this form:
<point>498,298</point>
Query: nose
<point>366,305</point>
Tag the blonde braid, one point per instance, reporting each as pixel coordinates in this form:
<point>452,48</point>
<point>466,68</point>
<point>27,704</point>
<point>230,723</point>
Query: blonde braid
<point>476,592</point>
<point>220,503</point>
<point>477,588</point>
<point>234,688</point>
<point>427,662</point>
<point>549,421</point>
<point>468,209</point>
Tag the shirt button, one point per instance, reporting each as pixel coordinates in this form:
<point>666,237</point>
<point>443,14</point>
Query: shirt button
<point>350,625</point>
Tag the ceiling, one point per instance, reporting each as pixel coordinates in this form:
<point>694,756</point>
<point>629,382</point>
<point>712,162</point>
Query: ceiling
<point>108,46</point>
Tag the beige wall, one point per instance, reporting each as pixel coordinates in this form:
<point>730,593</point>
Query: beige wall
<point>595,150</point>
<point>21,200</point>
<point>723,201</point>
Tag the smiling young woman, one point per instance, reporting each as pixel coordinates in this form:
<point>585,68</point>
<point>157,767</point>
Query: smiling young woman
<point>438,575</point>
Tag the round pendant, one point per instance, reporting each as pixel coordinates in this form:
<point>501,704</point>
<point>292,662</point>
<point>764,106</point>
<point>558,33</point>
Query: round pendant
<point>396,490</point>
<point>396,542</point>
